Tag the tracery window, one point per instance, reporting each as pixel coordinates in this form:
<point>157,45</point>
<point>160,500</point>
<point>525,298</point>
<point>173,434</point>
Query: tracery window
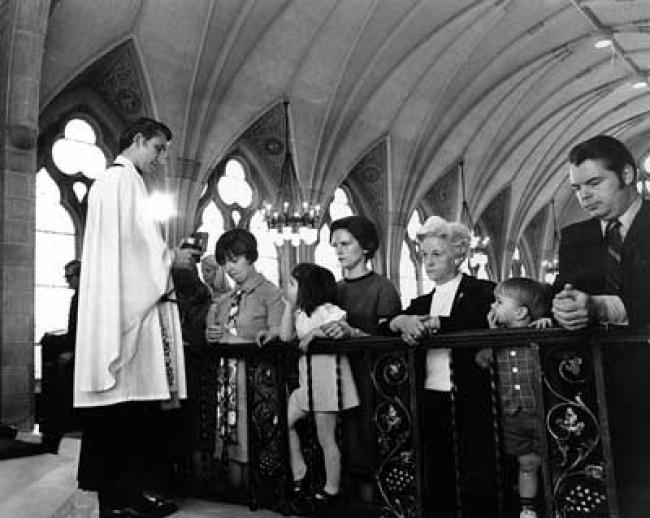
<point>71,158</point>
<point>410,264</point>
<point>54,247</point>
<point>324,254</point>
<point>267,261</point>
<point>212,223</point>
<point>412,275</point>
<point>408,282</point>
<point>227,203</point>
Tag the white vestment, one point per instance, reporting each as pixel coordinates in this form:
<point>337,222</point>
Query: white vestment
<point>120,352</point>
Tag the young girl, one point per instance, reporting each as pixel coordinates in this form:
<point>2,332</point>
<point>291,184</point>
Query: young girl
<point>311,296</point>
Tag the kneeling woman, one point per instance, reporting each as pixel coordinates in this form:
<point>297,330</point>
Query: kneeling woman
<point>252,308</point>
<point>458,302</point>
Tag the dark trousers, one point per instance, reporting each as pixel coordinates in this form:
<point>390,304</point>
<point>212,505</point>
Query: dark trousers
<point>56,415</point>
<point>439,487</point>
<point>113,450</point>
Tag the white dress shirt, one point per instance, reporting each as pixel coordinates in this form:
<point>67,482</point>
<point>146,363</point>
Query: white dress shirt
<point>438,371</point>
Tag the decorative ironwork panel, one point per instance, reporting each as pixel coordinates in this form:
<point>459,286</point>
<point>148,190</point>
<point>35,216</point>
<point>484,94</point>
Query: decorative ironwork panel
<point>267,427</point>
<point>573,432</point>
<point>396,472</point>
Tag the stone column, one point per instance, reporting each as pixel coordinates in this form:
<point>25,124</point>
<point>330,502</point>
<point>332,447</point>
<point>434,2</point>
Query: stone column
<point>23,25</point>
<point>397,223</point>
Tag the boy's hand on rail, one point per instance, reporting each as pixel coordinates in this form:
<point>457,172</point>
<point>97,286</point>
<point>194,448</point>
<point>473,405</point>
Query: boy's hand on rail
<point>541,323</point>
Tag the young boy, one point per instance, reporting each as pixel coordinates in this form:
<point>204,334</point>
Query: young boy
<point>519,302</point>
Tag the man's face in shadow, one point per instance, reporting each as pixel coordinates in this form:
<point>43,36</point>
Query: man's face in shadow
<point>72,278</point>
<point>601,192</point>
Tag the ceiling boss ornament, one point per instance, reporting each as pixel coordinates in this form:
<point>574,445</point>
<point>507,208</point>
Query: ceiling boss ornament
<point>290,218</point>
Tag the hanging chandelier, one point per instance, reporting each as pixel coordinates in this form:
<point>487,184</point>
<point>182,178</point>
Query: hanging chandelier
<point>478,244</point>
<point>290,218</point>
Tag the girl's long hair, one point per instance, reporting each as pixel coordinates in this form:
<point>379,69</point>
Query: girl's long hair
<point>316,286</point>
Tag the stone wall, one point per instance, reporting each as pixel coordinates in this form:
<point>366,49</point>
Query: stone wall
<point>22,33</point>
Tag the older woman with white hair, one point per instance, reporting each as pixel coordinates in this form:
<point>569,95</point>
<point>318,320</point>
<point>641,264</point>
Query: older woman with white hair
<point>458,302</point>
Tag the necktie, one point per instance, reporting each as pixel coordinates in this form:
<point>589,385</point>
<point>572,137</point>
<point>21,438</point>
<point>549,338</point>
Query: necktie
<point>614,245</point>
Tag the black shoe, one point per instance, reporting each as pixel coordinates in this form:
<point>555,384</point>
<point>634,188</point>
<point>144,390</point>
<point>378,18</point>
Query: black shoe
<point>107,512</point>
<point>149,506</point>
<point>322,497</point>
<point>301,506</point>
<point>301,502</point>
<point>8,431</point>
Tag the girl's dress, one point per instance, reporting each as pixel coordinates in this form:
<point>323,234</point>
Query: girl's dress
<point>323,367</point>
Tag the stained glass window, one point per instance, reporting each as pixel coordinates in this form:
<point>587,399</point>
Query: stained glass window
<point>212,223</point>
<point>414,280</point>
<point>408,282</point>
<point>76,152</point>
<point>267,261</point>
<point>325,255</point>
<point>73,158</point>
<point>233,186</point>
<point>230,205</point>
<point>54,247</point>
<point>340,205</point>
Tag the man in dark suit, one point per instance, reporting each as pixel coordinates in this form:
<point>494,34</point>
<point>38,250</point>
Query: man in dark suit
<point>605,278</point>
<point>604,272</point>
<point>58,372</point>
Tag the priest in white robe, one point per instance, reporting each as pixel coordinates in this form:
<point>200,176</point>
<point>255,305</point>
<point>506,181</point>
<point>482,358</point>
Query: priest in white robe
<point>129,356</point>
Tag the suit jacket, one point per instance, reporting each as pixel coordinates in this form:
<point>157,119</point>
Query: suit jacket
<point>583,261</point>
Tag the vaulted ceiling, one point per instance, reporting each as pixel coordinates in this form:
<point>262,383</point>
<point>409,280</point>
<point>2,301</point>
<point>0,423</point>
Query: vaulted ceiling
<point>508,85</point>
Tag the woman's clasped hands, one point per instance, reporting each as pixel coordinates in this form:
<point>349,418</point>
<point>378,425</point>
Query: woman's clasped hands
<point>415,327</point>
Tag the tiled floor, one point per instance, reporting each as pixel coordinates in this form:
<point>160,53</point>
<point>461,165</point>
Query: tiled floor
<point>44,486</point>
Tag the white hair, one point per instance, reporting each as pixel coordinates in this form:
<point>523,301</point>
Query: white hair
<point>455,234</point>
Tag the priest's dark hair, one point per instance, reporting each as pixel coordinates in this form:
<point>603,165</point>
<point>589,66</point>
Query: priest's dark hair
<point>316,286</point>
<point>235,243</point>
<point>148,128</point>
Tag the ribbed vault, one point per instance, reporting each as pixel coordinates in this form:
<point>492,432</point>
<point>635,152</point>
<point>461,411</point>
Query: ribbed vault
<point>509,85</point>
